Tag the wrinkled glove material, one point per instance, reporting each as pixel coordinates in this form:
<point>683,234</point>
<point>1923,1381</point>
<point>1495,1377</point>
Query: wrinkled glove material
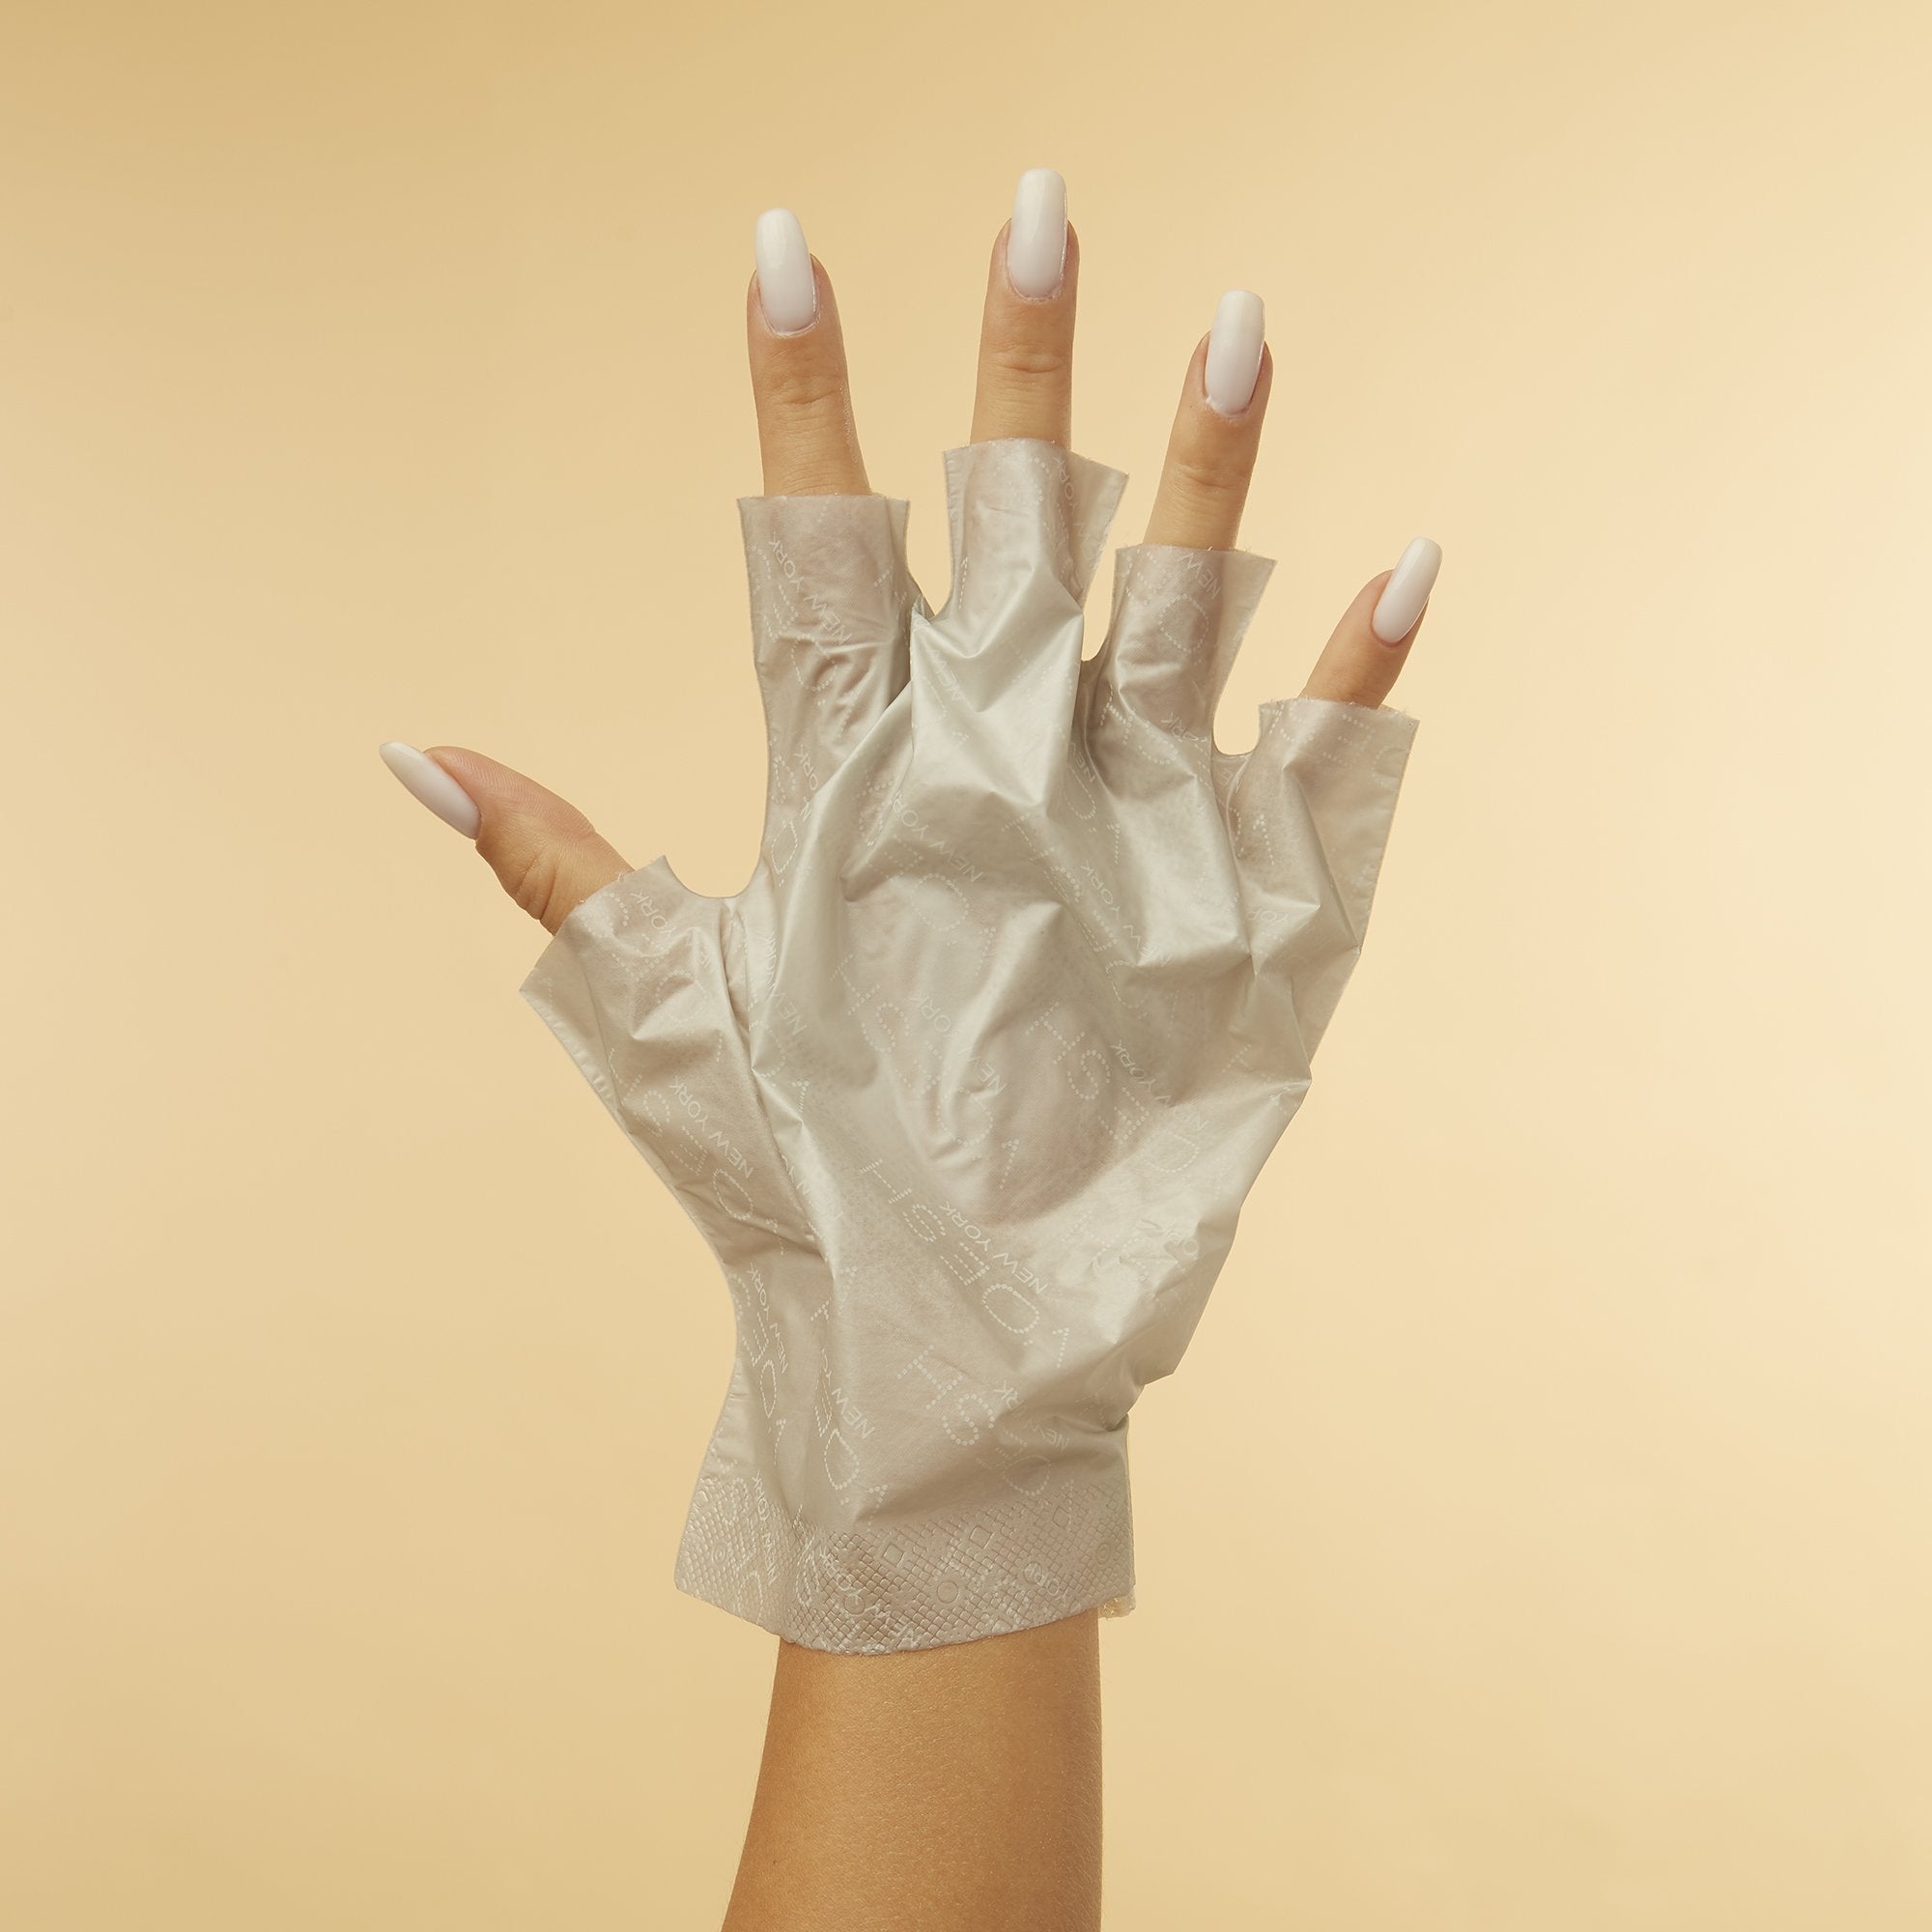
<point>966,1087</point>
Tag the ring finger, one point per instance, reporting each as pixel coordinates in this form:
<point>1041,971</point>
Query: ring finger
<point>1217,430</point>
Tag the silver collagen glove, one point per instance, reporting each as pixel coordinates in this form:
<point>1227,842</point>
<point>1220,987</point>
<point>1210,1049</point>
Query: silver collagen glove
<point>966,1087</point>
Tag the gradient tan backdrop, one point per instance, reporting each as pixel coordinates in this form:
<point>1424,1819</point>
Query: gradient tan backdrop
<point>1537,1533</point>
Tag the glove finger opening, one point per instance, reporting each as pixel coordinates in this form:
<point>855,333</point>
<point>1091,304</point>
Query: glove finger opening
<point>831,600</point>
<point>1309,818</point>
<point>995,671</point>
<point>1178,617</point>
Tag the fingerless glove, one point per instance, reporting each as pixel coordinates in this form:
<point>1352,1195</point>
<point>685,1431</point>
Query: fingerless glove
<point>966,1087</point>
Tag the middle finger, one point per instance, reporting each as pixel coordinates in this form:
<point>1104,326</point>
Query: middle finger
<point>1026,335</point>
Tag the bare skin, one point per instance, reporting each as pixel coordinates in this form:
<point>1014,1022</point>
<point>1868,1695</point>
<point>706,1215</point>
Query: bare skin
<point>957,1789</point>
<point>941,1788</point>
<point>549,856</point>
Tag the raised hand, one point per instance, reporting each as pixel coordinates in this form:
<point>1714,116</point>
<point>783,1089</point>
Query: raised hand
<point>966,1087</point>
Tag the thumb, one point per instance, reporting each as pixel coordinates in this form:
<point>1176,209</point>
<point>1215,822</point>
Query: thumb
<point>547,855</point>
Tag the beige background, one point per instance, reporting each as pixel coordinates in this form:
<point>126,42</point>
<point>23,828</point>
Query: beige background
<point>1537,1534</point>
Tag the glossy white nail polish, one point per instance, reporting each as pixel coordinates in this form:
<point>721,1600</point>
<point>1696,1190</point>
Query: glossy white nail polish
<point>1407,590</point>
<point>427,779</point>
<point>1235,351</point>
<point>787,291</point>
<point>1036,241</point>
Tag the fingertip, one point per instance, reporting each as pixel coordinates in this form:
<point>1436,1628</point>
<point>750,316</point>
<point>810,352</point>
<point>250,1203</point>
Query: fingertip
<point>788,272</point>
<point>1404,596</point>
<point>431,785</point>
<point>1236,341</point>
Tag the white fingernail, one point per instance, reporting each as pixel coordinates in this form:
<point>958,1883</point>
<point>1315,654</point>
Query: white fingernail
<point>1235,351</point>
<point>1406,591</point>
<point>787,288</point>
<point>1036,241</point>
<point>423,775</point>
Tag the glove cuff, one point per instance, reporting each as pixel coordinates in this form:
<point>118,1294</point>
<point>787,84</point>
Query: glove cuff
<point>910,1579</point>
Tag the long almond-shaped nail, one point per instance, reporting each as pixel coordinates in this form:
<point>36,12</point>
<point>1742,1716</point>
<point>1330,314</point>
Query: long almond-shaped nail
<point>787,288</point>
<point>1235,351</point>
<point>427,779</point>
<point>1036,241</point>
<point>1407,590</point>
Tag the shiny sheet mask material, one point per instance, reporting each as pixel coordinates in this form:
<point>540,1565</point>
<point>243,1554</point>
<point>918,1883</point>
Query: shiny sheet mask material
<point>966,1087</point>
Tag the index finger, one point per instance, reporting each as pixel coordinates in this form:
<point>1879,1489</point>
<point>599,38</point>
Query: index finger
<point>806,437</point>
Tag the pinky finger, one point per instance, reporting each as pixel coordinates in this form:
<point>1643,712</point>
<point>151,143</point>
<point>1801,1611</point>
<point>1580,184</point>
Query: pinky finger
<point>1361,661</point>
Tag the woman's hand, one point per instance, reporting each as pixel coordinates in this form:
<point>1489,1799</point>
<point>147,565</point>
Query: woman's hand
<point>549,856</point>
<point>958,1786</point>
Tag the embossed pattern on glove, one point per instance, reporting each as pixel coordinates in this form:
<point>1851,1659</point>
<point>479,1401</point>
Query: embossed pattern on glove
<point>966,1087</point>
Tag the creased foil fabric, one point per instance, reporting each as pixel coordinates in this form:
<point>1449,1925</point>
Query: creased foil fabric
<point>966,1087</point>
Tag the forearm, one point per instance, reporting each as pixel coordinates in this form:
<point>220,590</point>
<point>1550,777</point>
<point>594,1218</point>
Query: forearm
<point>954,1789</point>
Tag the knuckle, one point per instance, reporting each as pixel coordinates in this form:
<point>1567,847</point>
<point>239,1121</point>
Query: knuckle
<point>805,394</point>
<point>542,882</point>
<point>1207,479</point>
<point>534,884</point>
<point>1023,361</point>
